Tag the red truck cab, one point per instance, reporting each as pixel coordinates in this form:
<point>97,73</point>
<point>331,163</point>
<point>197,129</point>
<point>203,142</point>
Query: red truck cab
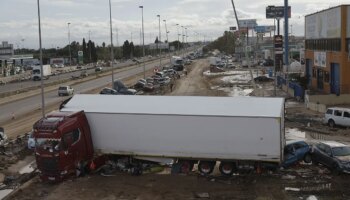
<point>63,145</point>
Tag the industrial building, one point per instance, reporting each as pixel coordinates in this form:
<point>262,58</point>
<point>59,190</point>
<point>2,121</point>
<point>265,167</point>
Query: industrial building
<point>327,58</point>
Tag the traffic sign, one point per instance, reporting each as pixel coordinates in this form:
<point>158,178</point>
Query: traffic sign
<point>273,12</point>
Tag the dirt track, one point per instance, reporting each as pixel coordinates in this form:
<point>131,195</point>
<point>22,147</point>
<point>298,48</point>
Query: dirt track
<point>310,180</point>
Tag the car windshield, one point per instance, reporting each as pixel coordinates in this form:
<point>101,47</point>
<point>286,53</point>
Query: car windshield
<point>47,144</point>
<point>341,151</point>
<point>62,88</point>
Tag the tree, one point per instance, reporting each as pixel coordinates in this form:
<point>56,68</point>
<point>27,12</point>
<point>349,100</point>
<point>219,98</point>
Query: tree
<point>225,43</point>
<point>126,49</point>
<point>85,52</point>
<point>132,49</point>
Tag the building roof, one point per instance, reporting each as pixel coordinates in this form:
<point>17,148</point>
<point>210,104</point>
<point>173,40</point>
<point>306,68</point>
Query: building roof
<point>178,105</point>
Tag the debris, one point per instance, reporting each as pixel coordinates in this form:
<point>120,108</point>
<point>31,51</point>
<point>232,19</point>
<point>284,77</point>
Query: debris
<point>288,177</point>
<point>312,197</point>
<point>202,195</point>
<point>292,189</point>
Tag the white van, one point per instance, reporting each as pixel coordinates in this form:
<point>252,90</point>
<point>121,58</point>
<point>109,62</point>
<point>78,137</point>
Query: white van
<point>337,116</point>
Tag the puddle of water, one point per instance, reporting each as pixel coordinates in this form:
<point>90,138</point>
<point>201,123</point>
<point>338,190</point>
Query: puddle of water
<point>236,91</point>
<point>4,193</point>
<point>295,134</point>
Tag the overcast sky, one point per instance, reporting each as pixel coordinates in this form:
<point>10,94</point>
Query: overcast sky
<point>19,18</point>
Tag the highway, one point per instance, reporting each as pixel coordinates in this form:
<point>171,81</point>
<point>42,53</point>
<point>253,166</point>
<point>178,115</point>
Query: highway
<point>10,87</point>
<point>32,103</point>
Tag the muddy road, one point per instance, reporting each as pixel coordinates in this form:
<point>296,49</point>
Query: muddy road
<point>303,181</point>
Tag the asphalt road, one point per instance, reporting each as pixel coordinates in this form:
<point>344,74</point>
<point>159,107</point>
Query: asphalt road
<point>29,104</point>
<point>62,76</point>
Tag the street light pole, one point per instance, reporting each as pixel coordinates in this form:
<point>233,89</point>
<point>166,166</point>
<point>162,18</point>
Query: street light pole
<point>159,41</point>
<point>186,38</point>
<point>90,44</point>
<point>167,39</point>
<point>178,39</point>
<point>41,65</point>
<point>112,53</point>
<point>183,52</point>
<point>70,54</point>
<point>143,45</point>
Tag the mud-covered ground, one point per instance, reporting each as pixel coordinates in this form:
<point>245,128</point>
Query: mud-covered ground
<point>299,182</point>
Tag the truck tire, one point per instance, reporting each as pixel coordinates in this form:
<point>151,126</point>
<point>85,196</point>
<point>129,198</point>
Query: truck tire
<point>206,167</point>
<point>227,168</point>
<point>186,166</point>
<point>331,123</point>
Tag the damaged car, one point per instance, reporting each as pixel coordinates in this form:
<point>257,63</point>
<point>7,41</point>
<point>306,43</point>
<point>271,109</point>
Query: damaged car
<point>296,151</point>
<point>334,155</point>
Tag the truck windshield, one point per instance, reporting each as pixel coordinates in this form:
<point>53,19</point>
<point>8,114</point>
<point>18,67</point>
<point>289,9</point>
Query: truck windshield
<point>36,71</point>
<point>47,144</point>
<point>179,62</point>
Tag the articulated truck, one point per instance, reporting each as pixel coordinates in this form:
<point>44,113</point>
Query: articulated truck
<point>241,133</point>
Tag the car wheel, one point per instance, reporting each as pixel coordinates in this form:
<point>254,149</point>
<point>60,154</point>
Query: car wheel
<point>336,169</point>
<point>331,123</point>
<point>307,158</point>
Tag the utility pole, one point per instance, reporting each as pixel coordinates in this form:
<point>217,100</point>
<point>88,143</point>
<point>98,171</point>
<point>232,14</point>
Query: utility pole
<point>178,40</point>
<point>159,42</point>
<point>112,53</point>
<point>90,45</point>
<point>70,54</point>
<point>167,38</point>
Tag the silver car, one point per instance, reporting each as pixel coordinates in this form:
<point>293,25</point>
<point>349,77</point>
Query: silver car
<point>65,91</point>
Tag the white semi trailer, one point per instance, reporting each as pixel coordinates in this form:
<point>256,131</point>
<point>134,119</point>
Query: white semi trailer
<point>36,72</point>
<point>242,133</point>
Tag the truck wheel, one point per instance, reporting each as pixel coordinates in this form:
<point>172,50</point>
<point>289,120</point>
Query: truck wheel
<point>307,158</point>
<point>186,166</point>
<point>227,169</point>
<point>331,123</point>
<point>206,167</point>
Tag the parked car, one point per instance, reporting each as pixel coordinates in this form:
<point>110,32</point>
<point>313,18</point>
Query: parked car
<point>162,81</point>
<point>98,69</point>
<point>136,61</point>
<point>337,116</point>
<point>109,91</point>
<point>65,90</point>
<point>122,89</point>
<point>296,151</point>
<point>334,155</point>
<point>262,79</point>
<point>140,84</point>
<point>149,87</point>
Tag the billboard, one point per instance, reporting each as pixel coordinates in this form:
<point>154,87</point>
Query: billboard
<point>273,12</point>
<point>160,45</point>
<point>322,25</point>
<point>264,29</point>
<point>248,23</point>
<point>80,57</point>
